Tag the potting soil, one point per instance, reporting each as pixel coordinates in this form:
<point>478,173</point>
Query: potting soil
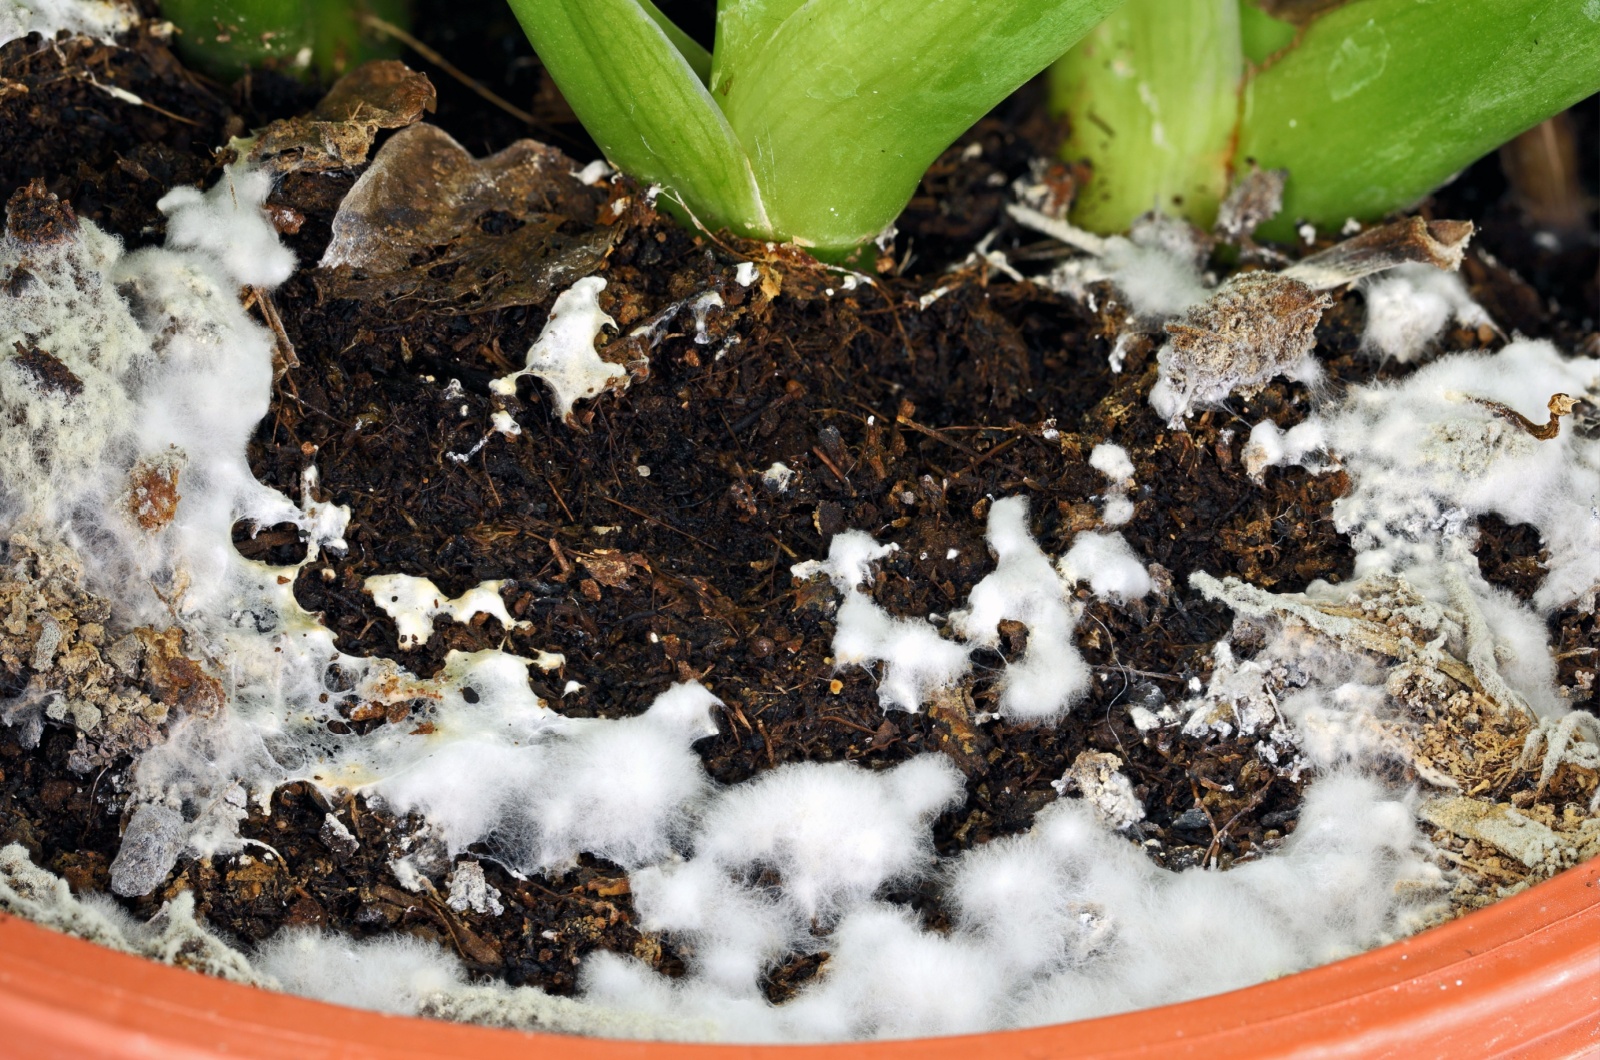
<point>900,565</point>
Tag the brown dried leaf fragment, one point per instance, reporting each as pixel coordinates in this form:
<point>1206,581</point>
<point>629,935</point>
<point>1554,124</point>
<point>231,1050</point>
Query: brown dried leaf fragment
<point>1498,825</point>
<point>1437,243</point>
<point>428,222</point>
<point>34,215</point>
<point>385,94</point>
<point>1256,326</point>
<point>613,568</point>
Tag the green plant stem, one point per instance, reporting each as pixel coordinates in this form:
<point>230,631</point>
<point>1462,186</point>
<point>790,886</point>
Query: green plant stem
<point>226,37</point>
<point>821,115</point>
<point>1381,101</point>
<point>1261,35</point>
<point>845,106</point>
<point>645,105</point>
<point>1150,96</point>
<point>742,28</point>
<point>693,52</point>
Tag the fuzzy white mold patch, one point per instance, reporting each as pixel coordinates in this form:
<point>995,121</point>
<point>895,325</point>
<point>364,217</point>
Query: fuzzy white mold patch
<point>1098,778</point>
<point>1156,267</point>
<point>563,355</point>
<point>1112,461</point>
<point>172,936</point>
<point>165,376</point>
<point>414,603</point>
<point>1458,439</point>
<point>169,368</point>
<point>1408,306</point>
<point>919,662</point>
<point>1232,338</point>
<point>470,889</point>
<point>1062,922</point>
<point>226,228</point>
<point>394,973</point>
<point>1255,327</point>
<point>777,477</point>
<point>100,19</point>
<point>1108,564</point>
<point>1051,675</point>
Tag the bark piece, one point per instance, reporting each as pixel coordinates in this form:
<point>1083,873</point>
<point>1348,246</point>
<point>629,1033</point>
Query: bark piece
<point>150,847</point>
<point>152,497</point>
<point>46,372</point>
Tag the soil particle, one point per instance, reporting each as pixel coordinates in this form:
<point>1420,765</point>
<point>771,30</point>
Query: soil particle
<point>34,215</point>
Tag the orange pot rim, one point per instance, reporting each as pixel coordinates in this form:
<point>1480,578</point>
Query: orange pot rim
<point>1521,976</point>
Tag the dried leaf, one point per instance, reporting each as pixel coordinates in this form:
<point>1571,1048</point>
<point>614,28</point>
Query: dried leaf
<point>429,222</point>
<point>1496,824</point>
<point>45,372</point>
<point>1437,243</point>
<point>384,94</point>
<point>613,568</point>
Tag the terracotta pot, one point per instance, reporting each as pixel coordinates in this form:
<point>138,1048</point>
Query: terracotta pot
<point>1520,978</point>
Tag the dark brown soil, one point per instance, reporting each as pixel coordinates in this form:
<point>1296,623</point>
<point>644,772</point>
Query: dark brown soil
<point>900,421</point>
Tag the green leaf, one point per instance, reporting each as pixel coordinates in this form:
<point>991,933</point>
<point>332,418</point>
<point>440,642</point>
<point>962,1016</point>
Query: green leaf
<point>225,38</point>
<point>343,42</point>
<point>1151,97</point>
<point>1262,35</point>
<point>844,105</point>
<point>698,58</point>
<point>743,27</point>
<point>645,106</point>
<point>1384,100</point>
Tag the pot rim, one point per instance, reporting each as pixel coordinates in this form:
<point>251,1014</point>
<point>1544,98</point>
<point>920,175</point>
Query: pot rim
<point>1522,975</point>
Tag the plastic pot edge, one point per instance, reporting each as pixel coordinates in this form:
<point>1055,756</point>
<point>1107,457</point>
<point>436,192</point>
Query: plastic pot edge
<point>1521,977</point>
